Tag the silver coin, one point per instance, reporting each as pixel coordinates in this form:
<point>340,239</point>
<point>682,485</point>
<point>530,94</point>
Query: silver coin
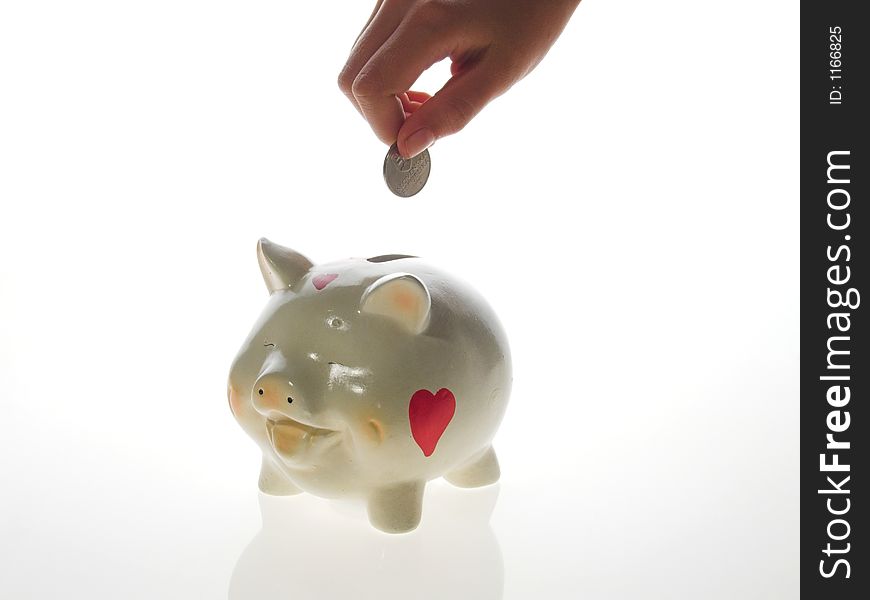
<point>406,176</point>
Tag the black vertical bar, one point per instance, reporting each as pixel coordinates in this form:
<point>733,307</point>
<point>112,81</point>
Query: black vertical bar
<point>835,369</point>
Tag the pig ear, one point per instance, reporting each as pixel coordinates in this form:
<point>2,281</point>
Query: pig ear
<point>401,297</point>
<point>281,267</point>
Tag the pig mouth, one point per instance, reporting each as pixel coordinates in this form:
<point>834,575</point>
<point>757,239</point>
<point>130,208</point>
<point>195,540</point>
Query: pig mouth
<point>294,441</point>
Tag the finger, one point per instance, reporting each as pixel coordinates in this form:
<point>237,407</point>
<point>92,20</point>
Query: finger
<point>391,71</point>
<point>409,105</point>
<point>420,97</point>
<point>450,109</point>
<point>368,22</point>
<point>381,25</point>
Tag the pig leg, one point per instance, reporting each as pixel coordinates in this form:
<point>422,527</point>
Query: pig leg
<point>397,508</point>
<point>275,483</point>
<point>482,469</point>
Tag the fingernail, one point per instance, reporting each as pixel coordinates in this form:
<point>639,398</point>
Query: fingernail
<point>418,141</point>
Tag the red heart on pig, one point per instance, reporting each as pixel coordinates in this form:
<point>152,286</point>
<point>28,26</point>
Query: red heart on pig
<point>323,280</point>
<point>429,415</point>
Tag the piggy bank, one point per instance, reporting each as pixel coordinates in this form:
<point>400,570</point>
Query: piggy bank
<point>369,377</point>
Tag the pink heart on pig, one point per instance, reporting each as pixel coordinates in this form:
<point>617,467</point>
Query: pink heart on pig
<point>323,280</point>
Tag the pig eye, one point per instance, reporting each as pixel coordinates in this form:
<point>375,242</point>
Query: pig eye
<point>335,322</point>
<point>268,345</point>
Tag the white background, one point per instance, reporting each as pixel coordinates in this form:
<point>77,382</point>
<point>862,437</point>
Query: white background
<point>630,210</point>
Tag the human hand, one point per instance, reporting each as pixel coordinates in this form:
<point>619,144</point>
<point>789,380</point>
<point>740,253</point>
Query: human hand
<point>492,44</point>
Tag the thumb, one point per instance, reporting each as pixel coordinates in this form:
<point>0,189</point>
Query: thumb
<point>449,110</point>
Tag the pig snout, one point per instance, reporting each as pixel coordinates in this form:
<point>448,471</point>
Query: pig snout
<point>274,396</point>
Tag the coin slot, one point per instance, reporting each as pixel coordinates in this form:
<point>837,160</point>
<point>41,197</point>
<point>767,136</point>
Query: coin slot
<point>388,257</point>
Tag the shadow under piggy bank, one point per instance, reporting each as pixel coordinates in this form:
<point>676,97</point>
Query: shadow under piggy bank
<point>312,549</point>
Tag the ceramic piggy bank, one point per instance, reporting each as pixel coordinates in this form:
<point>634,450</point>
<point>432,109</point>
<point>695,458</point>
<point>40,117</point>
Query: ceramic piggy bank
<point>369,377</point>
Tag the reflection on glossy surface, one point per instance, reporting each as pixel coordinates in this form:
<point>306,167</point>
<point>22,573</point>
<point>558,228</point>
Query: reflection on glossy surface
<point>311,549</point>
